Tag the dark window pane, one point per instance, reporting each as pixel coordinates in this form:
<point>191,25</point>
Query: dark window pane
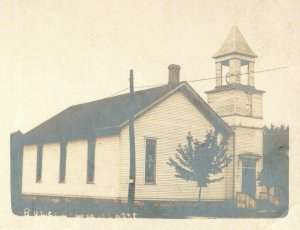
<point>62,166</point>
<point>39,163</point>
<point>91,161</point>
<point>150,161</point>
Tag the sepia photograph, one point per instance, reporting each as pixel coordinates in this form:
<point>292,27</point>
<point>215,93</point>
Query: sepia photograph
<point>166,114</point>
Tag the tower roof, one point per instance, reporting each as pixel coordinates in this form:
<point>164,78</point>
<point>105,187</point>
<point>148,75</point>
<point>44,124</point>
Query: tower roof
<point>235,43</point>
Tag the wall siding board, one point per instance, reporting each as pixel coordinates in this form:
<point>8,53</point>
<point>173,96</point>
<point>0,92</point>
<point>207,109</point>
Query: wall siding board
<point>236,102</point>
<point>257,105</point>
<point>107,166</point>
<point>76,167</point>
<point>29,169</point>
<point>169,122</point>
<point>243,103</point>
<point>248,141</point>
<point>222,102</point>
<point>50,170</point>
<point>106,182</point>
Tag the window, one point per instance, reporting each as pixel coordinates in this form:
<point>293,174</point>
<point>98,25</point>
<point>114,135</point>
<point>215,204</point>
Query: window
<point>62,166</point>
<point>91,161</point>
<point>39,163</point>
<point>150,161</point>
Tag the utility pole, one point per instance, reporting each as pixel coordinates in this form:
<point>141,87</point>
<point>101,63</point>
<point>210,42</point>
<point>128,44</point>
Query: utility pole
<point>131,188</point>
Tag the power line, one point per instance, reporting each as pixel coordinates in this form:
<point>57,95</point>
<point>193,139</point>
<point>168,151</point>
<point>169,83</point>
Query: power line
<point>260,71</point>
<point>213,78</point>
<point>202,79</point>
<point>266,70</point>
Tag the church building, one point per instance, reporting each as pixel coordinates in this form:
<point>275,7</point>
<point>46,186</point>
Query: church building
<point>83,152</point>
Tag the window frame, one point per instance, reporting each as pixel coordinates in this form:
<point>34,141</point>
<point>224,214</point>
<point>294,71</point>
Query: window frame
<point>90,179</point>
<point>63,164</point>
<point>155,161</point>
<point>39,164</point>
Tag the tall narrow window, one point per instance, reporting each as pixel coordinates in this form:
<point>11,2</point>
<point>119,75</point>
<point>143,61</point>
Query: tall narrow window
<point>39,163</point>
<point>62,165</point>
<point>91,161</point>
<point>150,161</point>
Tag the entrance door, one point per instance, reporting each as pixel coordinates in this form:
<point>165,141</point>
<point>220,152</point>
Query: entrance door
<point>249,177</point>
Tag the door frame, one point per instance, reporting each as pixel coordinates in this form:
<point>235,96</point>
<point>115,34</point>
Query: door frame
<point>252,159</point>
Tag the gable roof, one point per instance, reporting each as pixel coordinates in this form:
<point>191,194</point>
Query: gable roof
<point>107,116</point>
<point>235,43</point>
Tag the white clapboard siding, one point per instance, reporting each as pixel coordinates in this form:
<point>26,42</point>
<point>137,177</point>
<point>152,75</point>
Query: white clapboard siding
<point>243,103</point>
<point>76,167</point>
<point>236,102</point>
<point>257,105</point>
<point>29,169</point>
<point>222,102</point>
<point>107,167</point>
<point>50,168</point>
<point>169,122</point>
<point>106,180</point>
<point>247,140</point>
<point>230,170</point>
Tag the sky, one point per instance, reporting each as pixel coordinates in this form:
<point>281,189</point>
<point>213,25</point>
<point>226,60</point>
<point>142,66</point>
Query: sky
<point>54,54</point>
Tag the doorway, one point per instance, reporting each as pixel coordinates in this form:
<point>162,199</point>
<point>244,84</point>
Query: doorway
<point>249,177</point>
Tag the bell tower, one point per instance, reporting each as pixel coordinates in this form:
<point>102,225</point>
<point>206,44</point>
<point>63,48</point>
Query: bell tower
<point>235,97</point>
<point>235,54</point>
<point>236,100</point>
